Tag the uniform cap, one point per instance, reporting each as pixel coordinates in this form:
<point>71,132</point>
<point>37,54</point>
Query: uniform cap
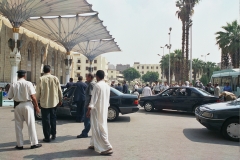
<point>21,72</point>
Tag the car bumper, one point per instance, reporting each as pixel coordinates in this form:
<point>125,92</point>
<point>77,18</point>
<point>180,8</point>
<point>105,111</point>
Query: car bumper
<point>211,124</point>
<point>127,110</point>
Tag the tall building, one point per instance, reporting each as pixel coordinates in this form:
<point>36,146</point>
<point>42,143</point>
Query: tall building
<point>144,68</point>
<point>80,66</point>
<point>121,67</point>
<point>32,54</point>
<point>113,74</point>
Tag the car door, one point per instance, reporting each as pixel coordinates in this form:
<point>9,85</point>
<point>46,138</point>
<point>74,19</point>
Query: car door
<point>68,105</point>
<point>185,100</point>
<point>165,99</point>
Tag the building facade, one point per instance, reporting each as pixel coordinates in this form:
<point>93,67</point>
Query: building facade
<point>35,52</point>
<point>113,74</point>
<point>121,67</point>
<point>80,66</point>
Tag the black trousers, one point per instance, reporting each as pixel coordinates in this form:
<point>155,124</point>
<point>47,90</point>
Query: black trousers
<point>49,121</point>
<point>80,110</point>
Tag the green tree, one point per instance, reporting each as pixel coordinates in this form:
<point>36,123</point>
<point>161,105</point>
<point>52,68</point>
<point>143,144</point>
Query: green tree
<point>229,42</point>
<point>164,64</point>
<point>176,64</point>
<point>131,74</point>
<point>197,67</point>
<point>150,77</point>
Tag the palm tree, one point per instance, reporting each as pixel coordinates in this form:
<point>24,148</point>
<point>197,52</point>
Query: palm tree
<point>197,66</point>
<point>229,42</point>
<point>164,64</point>
<point>177,59</point>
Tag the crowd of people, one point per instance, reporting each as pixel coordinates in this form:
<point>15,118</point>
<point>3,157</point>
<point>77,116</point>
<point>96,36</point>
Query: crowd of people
<point>92,101</point>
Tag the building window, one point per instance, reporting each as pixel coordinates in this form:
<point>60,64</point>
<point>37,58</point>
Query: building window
<point>142,67</point>
<point>142,72</point>
<point>30,51</point>
<point>78,75</point>
<point>137,67</point>
<point>95,61</point>
<point>78,68</point>
<point>79,61</point>
<point>86,61</point>
<point>151,67</point>
<point>111,71</point>
<point>95,68</point>
<point>147,67</point>
<point>42,55</point>
<point>111,76</point>
<point>53,59</point>
<point>87,68</point>
<point>156,67</point>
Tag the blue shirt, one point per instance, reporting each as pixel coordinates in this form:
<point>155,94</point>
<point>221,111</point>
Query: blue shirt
<point>79,94</point>
<point>227,88</point>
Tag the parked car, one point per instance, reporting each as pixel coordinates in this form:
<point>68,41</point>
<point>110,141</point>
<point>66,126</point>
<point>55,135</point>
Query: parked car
<point>119,103</point>
<point>178,98</point>
<point>222,117</point>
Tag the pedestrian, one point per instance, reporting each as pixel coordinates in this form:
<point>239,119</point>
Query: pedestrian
<point>227,87</point>
<point>165,86</point>
<point>98,109</point>
<point>186,84</point>
<point>176,85</point>
<point>125,87</point>
<point>136,86</point>
<point>146,91</point>
<point>136,93</point>
<point>119,87</point>
<point>70,83</point>
<point>156,88</point>
<point>216,90</point>
<point>112,84</point>
<point>50,95</point>
<point>79,98</point>
<point>23,94</point>
<point>89,92</point>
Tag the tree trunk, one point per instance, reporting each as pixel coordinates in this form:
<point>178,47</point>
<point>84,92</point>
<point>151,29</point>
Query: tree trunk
<point>182,70</point>
<point>187,52</point>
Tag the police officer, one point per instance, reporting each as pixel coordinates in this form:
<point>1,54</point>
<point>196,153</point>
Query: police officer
<point>23,93</point>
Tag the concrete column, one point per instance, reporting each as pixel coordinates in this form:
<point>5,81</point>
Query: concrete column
<point>15,56</point>
<point>68,63</point>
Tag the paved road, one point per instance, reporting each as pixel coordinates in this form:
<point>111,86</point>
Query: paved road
<point>149,136</point>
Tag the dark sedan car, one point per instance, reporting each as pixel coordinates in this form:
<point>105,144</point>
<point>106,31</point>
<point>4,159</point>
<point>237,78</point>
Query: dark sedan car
<point>222,117</point>
<point>178,98</point>
<point>119,103</point>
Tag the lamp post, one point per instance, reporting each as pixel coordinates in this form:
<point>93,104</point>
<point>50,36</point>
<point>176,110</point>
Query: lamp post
<point>162,65</point>
<point>169,47</point>
<point>190,24</point>
<point>68,63</point>
<point>205,55</point>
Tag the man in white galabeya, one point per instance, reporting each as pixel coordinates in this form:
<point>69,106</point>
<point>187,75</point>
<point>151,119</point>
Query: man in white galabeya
<point>98,113</point>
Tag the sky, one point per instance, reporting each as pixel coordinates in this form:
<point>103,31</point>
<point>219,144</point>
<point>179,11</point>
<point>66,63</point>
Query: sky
<point>140,27</point>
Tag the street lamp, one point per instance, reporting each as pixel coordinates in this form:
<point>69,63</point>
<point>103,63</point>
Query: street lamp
<point>162,65</point>
<point>205,55</point>
<point>169,47</point>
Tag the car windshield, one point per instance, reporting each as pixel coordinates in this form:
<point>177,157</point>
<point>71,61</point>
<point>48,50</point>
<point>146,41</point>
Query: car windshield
<point>203,92</point>
<point>117,92</point>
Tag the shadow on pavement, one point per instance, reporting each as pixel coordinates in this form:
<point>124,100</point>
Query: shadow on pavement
<point>204,135</point>
<point>168,113</point>
<point>64,155</point>
<point>122,119</point>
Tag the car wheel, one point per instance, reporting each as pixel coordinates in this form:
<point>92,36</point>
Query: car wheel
<point>148,106</point>
<point>231,129</point>
<point>113,113</point>
<point>193,110</point>
<point>38,116</point>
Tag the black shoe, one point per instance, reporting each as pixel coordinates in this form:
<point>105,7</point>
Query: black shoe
<point>53,137</point>
<point>46,140</point>
<point>20,148</point>
<point>36,146</point>
<point>81,136</point>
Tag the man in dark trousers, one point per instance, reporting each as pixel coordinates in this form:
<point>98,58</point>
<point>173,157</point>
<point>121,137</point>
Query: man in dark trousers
<point>50,95</point>
<point>125,87</point>
<point>88,92</point>
<point>79,98</point>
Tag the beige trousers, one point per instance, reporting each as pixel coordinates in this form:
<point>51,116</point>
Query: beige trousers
<point>25,112</point>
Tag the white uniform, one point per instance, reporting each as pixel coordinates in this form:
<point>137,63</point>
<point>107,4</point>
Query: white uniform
<point>21,91</point>
<point>146,91</point>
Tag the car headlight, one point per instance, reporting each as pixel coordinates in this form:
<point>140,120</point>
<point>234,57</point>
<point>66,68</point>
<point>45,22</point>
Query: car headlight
<point>207,114</point>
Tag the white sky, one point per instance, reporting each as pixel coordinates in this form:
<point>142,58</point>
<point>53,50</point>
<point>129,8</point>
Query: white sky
<point>140,27</point>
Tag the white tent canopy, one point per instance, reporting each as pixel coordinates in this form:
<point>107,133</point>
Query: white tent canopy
<point>94,48</point>
<point>17,11</point>
<point>68,30</point>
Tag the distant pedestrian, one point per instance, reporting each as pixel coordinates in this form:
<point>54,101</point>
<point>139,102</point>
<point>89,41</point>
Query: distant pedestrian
<point>119,87</point>
<point>125,87</point>
<point>50,95</point>
<point>70,83</point>
<point>156,88</point>
<point>136,86</point>
<point>79,98</point>
<point>113,84</point>
<point>165,86</point>
<point>146,91</point>
<point>23,94</point>
<point>216,90</point>
<point>136,93</point>
<point>89,93</point>
<point>227,88</point>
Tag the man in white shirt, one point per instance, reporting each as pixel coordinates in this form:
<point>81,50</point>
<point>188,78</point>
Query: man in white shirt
<point>217,90</point>
<point>136,86</point>
<point>98,109</point>
<point>156,88</point>
<point>23,94</point>
<point>146,91</point>
<point>165,86</point>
